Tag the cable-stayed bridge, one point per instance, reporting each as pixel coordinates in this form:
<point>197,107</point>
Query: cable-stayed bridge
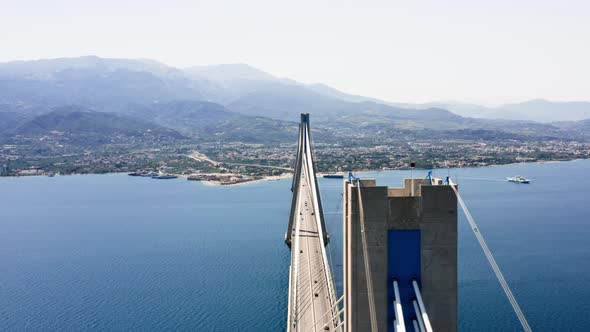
<point>312,296</point>
<point>399,254</point>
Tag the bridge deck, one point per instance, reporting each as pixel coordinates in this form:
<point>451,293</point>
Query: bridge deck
<point>309,280</point>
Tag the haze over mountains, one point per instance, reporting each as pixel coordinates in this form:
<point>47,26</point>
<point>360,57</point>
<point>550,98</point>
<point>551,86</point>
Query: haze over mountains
<point>539,110</point>
<point>224,100</point>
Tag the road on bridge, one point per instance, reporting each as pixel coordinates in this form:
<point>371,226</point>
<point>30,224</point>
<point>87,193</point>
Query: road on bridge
<point>312,298</point>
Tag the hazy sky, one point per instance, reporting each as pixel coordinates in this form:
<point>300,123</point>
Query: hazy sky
<point>475,51</point>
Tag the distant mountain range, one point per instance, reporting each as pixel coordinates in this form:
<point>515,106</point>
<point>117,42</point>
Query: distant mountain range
<point>232,102</point>
<point>211,121</point>
<point>79,120</point>
<point>538,110</point>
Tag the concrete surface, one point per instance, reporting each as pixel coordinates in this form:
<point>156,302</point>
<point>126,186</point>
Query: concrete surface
<point>433,211</point>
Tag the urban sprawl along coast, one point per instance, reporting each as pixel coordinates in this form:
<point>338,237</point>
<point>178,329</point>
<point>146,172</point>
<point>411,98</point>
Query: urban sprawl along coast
<point>236,162</point>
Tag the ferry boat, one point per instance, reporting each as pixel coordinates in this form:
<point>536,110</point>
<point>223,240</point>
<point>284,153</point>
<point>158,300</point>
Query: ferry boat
<point>143,174</point>
<point>163,176</point>
<point>149,174</point>
<point>519,179</point>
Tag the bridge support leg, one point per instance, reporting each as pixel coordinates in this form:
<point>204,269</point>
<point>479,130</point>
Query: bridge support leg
<point>409,237</point>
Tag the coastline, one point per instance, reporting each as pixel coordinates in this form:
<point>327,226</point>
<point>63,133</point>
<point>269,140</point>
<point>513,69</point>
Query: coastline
<point>491,165</point>
<point>247,182</point>
<point>290,175</point>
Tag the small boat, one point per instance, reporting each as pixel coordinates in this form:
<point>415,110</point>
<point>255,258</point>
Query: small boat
<point>334,176</point>
<point>134,174</point>
<point>519,179</point>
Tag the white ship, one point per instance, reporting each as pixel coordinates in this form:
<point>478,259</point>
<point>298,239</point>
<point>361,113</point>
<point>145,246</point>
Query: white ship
<point>519,179</point>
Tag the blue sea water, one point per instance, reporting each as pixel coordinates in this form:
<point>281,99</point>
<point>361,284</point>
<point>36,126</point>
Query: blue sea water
<point>115,253</point>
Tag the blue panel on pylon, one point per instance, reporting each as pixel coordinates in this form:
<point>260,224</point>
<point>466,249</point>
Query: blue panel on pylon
<point>403,264</point>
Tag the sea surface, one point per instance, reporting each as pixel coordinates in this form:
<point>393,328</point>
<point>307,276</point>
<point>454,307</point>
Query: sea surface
<point>121,253</point>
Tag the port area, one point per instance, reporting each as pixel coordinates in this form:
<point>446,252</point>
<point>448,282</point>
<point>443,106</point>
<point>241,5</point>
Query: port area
<point>221,179</point>
<point>225,179</point>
